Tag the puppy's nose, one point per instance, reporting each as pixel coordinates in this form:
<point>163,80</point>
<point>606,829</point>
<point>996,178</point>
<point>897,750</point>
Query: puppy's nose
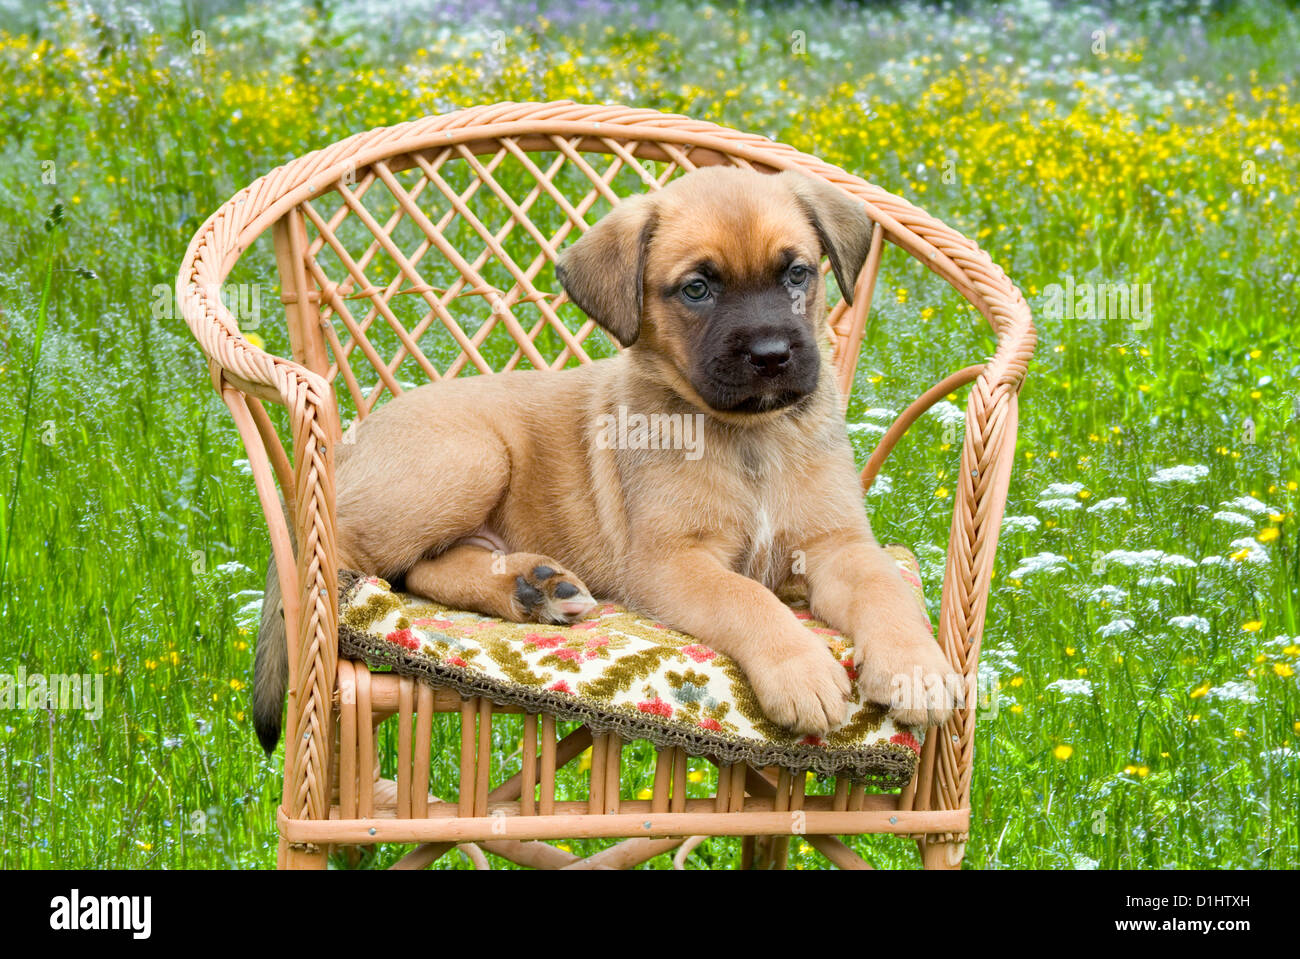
<point>769,355</point>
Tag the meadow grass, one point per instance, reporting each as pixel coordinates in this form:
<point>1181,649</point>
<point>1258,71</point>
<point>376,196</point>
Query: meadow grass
<point>1144,627</point>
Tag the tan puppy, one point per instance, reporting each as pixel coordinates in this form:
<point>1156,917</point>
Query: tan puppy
<point>690,477</point>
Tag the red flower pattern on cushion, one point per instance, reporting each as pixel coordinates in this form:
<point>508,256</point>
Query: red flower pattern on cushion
<point>908,740</point>
<point>543,642</point>
<point>560,687</point>
<point>711,724</point>
<point>656,707</point>
<point>403,637</point>
<point>699,653</point>
<point>433,623</point>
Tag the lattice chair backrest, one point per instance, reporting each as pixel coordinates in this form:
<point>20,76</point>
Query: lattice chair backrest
<point>439,262</point>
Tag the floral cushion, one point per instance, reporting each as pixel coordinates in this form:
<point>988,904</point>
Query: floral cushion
<point>620,672</point>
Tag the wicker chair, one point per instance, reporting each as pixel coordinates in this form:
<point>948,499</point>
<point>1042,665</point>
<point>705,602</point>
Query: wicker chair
<point>573,160</point>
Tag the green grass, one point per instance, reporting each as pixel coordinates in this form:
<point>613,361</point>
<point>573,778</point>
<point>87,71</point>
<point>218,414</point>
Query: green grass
<point>132,538</point>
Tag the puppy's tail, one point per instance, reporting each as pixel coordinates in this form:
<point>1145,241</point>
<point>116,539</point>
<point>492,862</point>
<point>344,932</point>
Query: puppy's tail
<point>271,663</point>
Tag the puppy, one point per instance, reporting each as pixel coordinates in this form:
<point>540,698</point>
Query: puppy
<point>517,495</point>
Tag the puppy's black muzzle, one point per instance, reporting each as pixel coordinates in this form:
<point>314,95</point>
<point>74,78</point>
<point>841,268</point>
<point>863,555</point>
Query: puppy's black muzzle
<point>756,353</point>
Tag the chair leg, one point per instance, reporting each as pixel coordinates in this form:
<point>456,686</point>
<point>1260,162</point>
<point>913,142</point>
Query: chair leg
<point>764,852</point>
<point>941,855</point>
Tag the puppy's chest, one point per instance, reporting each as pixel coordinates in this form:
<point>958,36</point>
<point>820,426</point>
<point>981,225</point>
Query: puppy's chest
<point>768,517</point>
<point>766,551</point>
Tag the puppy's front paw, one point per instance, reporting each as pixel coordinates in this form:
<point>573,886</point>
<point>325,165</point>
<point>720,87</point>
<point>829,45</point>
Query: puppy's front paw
<point>900,666</point>
<point>547,593</point>
<point>807,692</point>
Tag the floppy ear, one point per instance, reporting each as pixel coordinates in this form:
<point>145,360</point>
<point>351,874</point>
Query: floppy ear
<point>841,223</point>
<point>602,272</point>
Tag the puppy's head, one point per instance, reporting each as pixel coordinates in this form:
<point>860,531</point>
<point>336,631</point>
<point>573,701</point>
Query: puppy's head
<point>717,276</point>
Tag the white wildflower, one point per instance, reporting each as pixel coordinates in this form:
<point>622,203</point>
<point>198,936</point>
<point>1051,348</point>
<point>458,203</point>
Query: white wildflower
<point>880,486</point>
<point>1215,561</point>
<point>932,560</point>
<point>1156,581</point>
<point>1065,504</point>
<point>1002,661</point>
<point>874,429</point>
<point>1226,516</point>
<point>233,569</point>
<point>1115,627</point>
<point>243,467</point>
<point>1108,594</point>
<point>880,413</point>
<point>1039,563</point>
<point>1177,561</point>
<point>1071,687</point>
<point>1198,623</point>
<point>1180,474</point>
<point>1234,692</point>
<point>1108,504</point>
<point>1248,504</point>
<point>1143,559</point>
<point>1062,489</point>
<point>948,413</point>
<point>1255,553</point>
<point>250,614</point>
<point>1020,524</point>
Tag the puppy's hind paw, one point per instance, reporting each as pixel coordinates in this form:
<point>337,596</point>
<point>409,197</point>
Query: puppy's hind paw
<point>547,593</point>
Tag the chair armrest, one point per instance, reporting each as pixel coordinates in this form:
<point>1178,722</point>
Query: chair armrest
<point>987,458</point>
<point>304,547</point>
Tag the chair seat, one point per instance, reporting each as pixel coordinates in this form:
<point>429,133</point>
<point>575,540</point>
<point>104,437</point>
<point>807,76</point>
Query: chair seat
<point>623,673</point>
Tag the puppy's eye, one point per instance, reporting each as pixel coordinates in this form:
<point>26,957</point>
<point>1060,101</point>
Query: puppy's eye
<point>798,274</point>
<point>696,291</point>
